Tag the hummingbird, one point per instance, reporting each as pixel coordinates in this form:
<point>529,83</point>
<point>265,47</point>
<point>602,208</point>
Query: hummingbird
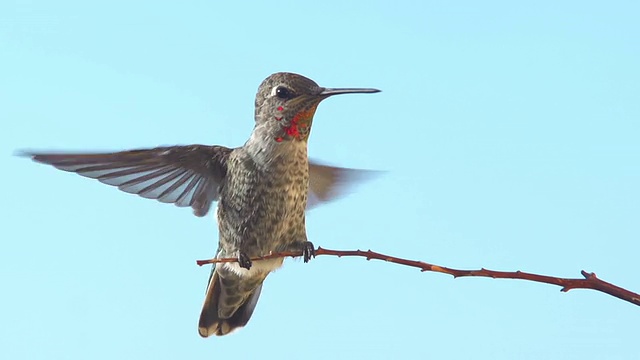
<point>262,190</point>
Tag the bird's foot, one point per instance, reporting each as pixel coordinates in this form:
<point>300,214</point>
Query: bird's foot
<point>244,260</point>
<point>308,251</point>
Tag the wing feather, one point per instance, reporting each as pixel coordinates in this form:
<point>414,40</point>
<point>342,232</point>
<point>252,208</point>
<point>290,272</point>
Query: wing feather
<point>183,175</point>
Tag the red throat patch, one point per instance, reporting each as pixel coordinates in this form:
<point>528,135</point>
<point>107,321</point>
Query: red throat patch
<point>300,124</point>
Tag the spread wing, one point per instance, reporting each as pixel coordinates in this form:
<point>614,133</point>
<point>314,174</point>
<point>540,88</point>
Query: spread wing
<point>183,175</point>
<point>327,183</point>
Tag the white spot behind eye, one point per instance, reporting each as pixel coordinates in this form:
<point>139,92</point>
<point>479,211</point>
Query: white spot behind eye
<point>274,89</point>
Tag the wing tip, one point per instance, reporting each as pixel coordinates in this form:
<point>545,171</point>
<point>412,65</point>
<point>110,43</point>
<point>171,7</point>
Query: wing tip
<point>38,156</point>
<point>24,153</point>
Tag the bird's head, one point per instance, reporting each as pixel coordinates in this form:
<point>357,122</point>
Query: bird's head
<point>286,103</point>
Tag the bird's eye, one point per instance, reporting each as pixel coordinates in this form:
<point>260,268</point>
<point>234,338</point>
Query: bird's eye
<point>283,93</point>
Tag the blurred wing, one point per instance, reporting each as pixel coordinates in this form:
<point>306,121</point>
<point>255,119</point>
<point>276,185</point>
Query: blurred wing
<point>183,175</point>
<point>327,183</point>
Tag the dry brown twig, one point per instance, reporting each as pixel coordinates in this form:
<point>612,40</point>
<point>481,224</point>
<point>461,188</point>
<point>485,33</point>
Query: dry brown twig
<point>590,281</point>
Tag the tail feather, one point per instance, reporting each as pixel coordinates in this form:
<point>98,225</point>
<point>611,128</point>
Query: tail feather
<point>210,321</point>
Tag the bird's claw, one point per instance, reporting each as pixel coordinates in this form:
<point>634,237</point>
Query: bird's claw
<point>308,251</point>
<point>244,261</point>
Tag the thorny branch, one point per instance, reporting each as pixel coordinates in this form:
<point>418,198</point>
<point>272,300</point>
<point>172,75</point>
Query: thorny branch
<point>590,281</point>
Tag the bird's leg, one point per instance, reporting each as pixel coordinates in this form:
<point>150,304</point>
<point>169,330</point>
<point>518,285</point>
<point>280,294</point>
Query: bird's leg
<point>308,251</point>
<point>244,260</point>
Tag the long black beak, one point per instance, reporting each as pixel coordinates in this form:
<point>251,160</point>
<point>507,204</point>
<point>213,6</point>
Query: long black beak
<point>329,92</point>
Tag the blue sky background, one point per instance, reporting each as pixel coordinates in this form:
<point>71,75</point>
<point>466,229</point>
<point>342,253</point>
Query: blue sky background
<point>510,132</point>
